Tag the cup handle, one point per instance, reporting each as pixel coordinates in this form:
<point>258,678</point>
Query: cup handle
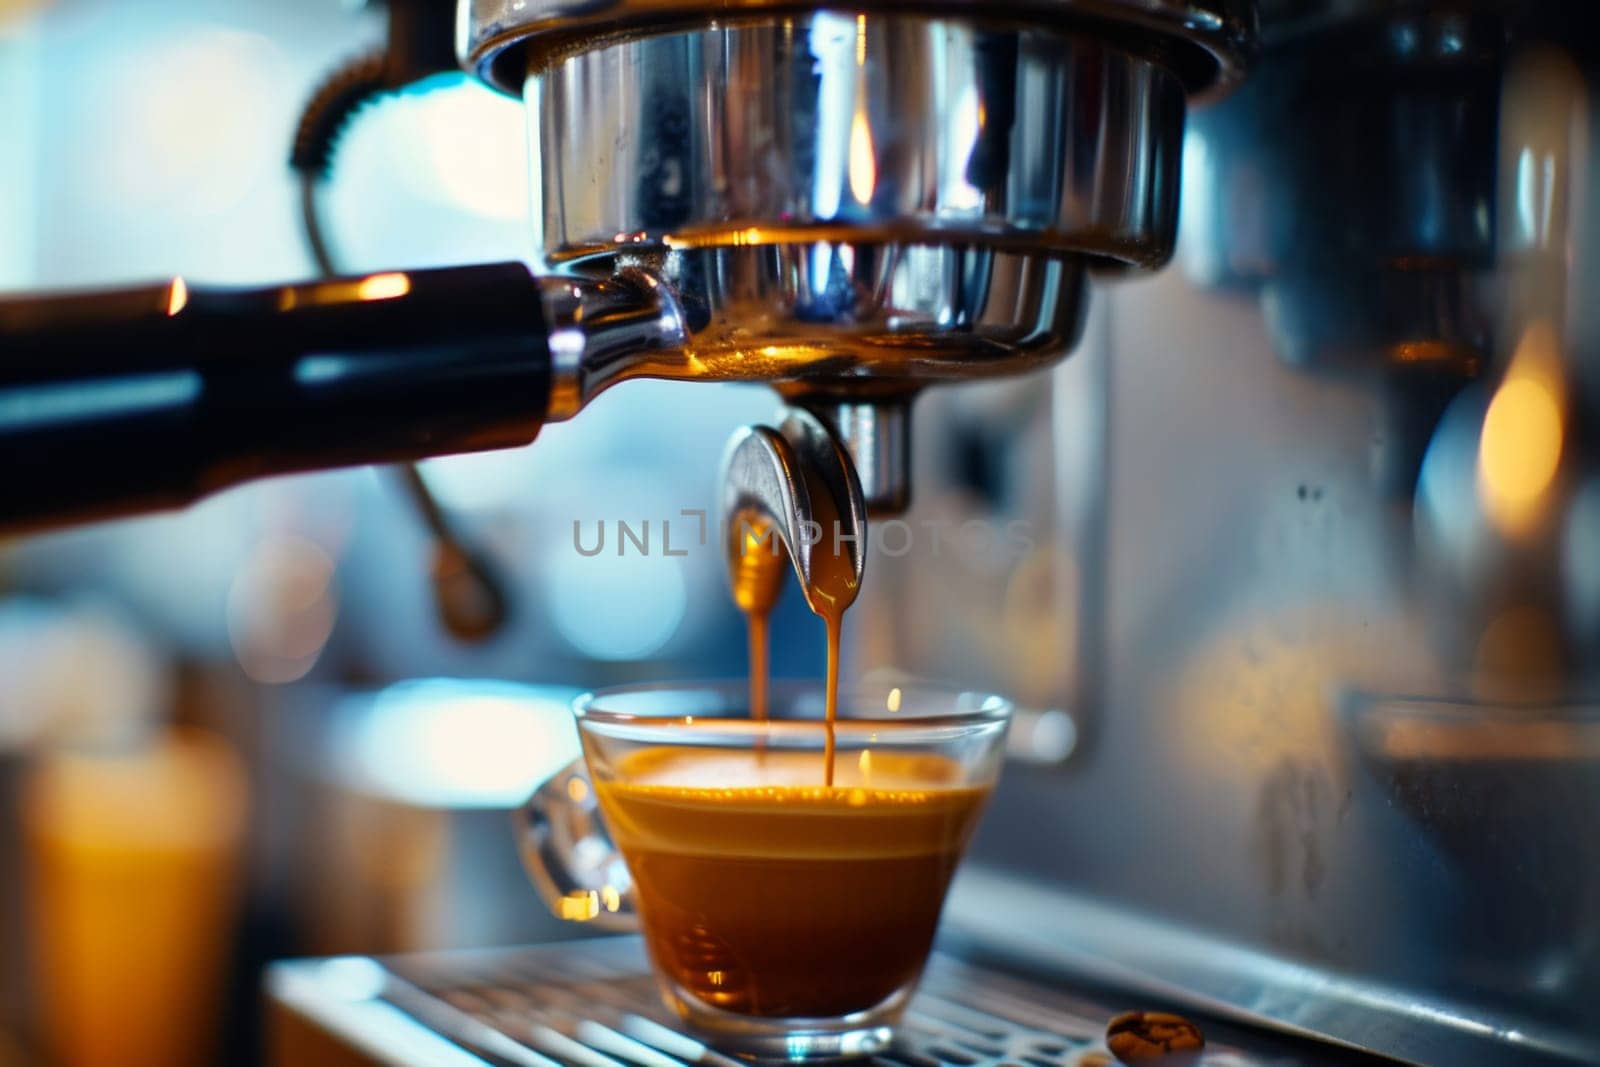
<point>570,857</point>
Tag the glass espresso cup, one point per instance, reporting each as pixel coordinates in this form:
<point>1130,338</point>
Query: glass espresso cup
<point>784,918</point>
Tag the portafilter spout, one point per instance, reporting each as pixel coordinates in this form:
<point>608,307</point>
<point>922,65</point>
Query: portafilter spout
<point>790,496</point>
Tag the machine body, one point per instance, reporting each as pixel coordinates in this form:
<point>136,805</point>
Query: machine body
<point>1307,622</point>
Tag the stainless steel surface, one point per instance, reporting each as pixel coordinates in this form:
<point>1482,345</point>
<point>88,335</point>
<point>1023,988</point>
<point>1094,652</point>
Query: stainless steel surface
<point>796,484</point>
<point>633,324</point>
<point>596,1005</point>
<point>862,205</point>
<point>1104,942</point>
<point>1208,40</point>
<point>1329,643</point>
<point>1399,281</point>
<point>860,130</point>
<point>849,206</point>
<point>603,330</point>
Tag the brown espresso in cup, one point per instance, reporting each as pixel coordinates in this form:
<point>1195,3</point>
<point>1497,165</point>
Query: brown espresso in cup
<point>763,892</point>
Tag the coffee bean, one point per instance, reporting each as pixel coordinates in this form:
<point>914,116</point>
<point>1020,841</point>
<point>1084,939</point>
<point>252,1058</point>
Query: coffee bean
<point>1154,1039</point>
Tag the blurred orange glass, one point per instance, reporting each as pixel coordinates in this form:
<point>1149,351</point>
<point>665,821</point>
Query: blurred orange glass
<point>134,860</point>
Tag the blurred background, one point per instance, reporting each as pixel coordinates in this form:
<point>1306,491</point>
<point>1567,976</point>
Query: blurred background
<point>223,732</point>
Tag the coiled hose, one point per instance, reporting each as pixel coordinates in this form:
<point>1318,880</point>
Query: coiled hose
<point>469,592</point>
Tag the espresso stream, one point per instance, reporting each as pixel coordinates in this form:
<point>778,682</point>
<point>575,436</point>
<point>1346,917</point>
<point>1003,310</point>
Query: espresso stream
<point>764,893</point>
<point>834,619</point>
<point>833,589</point>
<point>758,575</point>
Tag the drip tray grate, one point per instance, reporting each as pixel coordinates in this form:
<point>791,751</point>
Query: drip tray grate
<point>594,1004</point>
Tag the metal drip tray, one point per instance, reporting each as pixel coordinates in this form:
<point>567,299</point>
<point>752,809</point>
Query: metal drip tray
<point>594,1004</point>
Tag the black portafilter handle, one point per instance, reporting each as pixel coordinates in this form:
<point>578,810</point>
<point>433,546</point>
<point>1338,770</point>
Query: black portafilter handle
<point>146,399</point>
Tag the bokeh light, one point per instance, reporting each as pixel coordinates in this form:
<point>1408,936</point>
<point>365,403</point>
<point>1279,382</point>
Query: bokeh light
<point>449,743</point>
<point>615,607</point>
<point>1519,450</point>
<point>192,133</point>
<point>281,609</point>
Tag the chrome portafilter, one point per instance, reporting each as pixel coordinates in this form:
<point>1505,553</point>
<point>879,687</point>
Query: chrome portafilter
<point>848,205</point>
<point>853,205</point>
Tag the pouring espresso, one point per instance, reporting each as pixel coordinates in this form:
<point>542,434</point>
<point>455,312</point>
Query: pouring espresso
<point>792,496</point>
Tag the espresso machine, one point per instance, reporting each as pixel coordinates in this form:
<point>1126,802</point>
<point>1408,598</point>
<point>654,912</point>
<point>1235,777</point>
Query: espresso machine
<point>1303,594</point>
